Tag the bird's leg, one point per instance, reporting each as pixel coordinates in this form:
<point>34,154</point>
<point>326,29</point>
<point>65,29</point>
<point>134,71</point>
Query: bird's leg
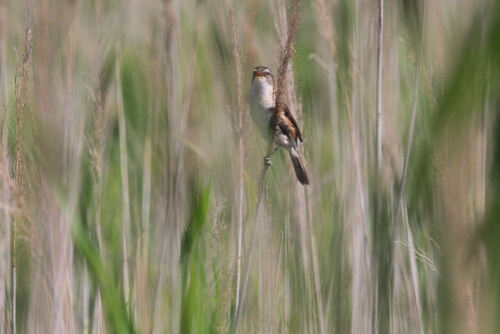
<point>267,158</point>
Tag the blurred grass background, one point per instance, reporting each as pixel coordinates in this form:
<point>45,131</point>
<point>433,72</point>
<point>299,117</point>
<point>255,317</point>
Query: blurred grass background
<point>122,191</point>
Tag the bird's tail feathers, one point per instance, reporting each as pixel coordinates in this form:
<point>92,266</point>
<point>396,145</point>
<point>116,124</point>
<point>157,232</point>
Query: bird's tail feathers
<point>298,166</point>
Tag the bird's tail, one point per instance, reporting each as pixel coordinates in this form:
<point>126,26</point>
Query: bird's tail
<point>298,166</point>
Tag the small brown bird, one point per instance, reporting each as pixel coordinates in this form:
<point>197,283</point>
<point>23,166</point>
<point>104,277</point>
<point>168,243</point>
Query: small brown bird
<point>280,126</point>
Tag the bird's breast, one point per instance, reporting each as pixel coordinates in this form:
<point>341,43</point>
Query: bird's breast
<point>262,118</point>
<point>262,105</point>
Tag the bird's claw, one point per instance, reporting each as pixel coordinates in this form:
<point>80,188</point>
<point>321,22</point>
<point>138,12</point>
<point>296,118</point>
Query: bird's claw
<point>267,161</point>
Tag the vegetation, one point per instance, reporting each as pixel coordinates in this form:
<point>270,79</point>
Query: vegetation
<point>132,187</point>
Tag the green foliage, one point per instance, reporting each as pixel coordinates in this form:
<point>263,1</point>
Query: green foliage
<point>100,269</point>
<point>113,300</point>
<point>196,311</point>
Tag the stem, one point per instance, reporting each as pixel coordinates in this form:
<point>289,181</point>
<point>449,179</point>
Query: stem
<point>240,224</point>
<point>234,325</point>
<point>314,255</point>
<point>409,142</point>
<point>13,276</point>
<point>378,157</point>
<point>286,54</point>
<point>20,87</point>
<point>239,132</point>
<point>276,278</point>
<point>124,176</point>
<point>399,204</point>
<point>414,272</point>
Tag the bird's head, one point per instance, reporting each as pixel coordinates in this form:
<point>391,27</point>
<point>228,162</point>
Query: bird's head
<point>262,90</point>
<point>262,75</point>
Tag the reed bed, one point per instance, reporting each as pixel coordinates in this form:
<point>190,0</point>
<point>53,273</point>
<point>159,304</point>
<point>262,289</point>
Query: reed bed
<point>132,193</point>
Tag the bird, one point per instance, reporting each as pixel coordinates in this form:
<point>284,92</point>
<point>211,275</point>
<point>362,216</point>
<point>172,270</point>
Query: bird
<point>277,125</point>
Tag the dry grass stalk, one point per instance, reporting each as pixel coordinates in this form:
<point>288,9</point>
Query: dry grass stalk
<point>170,31</point>
<point>304,212</point>
<point>357,211</point>
<point>414,273</point>
<point>280,26</point>
<point>400,206</point>
<point>96,152</point>
<point>21,87</point>
<point>409,142</point>
<point>286,54</point>
<point>239,133</point>
<point>277,276</point>
<point>242,292</point>
<point>125,185</point>
<point>325,26</point>
<point>378,148</point>
<point>314,255</point>
<point>6,181</point>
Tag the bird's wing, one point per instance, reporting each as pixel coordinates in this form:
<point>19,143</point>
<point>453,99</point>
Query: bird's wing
<point>289,116</point>
<point>286,123</point>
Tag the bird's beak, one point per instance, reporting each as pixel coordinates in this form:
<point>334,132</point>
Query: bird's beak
<point>259,74</point>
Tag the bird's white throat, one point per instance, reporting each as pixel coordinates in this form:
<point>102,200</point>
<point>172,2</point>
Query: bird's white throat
<point>261,94</point>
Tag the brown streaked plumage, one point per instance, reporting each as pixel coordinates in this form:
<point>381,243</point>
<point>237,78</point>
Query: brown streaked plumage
<point>280,126</point>
<point>287,123</point>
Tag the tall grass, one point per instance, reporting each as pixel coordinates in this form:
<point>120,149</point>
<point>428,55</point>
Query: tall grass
<point>129,173</point>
